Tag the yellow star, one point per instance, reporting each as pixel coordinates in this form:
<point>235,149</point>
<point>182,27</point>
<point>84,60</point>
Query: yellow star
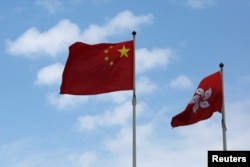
<point>124,51</point>
<point>111,63</point>
<point>106,58</point>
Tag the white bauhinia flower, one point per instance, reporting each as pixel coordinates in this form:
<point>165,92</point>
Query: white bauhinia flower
<point>200,99</point>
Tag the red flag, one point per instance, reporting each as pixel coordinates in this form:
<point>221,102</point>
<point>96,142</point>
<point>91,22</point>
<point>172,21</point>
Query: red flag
<point>207,99</point>
<point>98,68</point>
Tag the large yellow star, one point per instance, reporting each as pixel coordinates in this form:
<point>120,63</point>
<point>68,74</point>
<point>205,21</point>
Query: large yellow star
<point>124,51</point>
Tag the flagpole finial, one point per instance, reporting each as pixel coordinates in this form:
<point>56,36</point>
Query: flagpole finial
<point>221,65</point>
<point>134,33</point>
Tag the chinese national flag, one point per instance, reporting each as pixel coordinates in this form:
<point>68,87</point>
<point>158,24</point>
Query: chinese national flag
<point>98,68</point>
<point>207,99</point>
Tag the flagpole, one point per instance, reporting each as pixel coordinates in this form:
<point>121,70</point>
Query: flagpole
<point>134,105</point>
<point>223,121</point>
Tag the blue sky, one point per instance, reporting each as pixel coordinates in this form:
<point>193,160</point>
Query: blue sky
<point>178,43</point>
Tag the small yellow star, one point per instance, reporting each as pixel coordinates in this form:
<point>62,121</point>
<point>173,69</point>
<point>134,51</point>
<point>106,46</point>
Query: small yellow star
<point>106,51</point>
<point>124,51</point>
<point>111,63</point>
<point>106,58</point>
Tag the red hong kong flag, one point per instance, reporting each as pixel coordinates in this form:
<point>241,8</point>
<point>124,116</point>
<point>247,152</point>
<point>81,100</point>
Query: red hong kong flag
<point>98,68</point>
<point>207,99</point>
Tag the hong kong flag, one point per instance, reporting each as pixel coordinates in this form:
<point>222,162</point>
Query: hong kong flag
<point>206,100</point>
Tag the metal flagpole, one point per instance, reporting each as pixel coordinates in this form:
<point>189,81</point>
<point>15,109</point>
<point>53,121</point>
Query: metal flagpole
<point>223,121</point>
<point>134,105</point>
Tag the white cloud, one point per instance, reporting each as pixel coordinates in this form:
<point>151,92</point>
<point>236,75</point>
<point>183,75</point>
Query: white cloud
<point>87,122</point>
<point>19,9</point>
<point>154,147</point>
<point>122,22</point>
<point>52,42</point>
<point>13,154</point>
<point>145,86</point>
<point>50,5</point>
<point>237,121</point>
<point>119,116</point>
<point>116,97</point>
<point>64,102</point>
<point>147,60</point>
<point>188,143</point>
<point>49,75</point>
<point>120,146</point>
<point>199,4</point>
<point>153,150</point>
<point>181,82</point>
<point>87,159</point>
<point>124,137</point>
